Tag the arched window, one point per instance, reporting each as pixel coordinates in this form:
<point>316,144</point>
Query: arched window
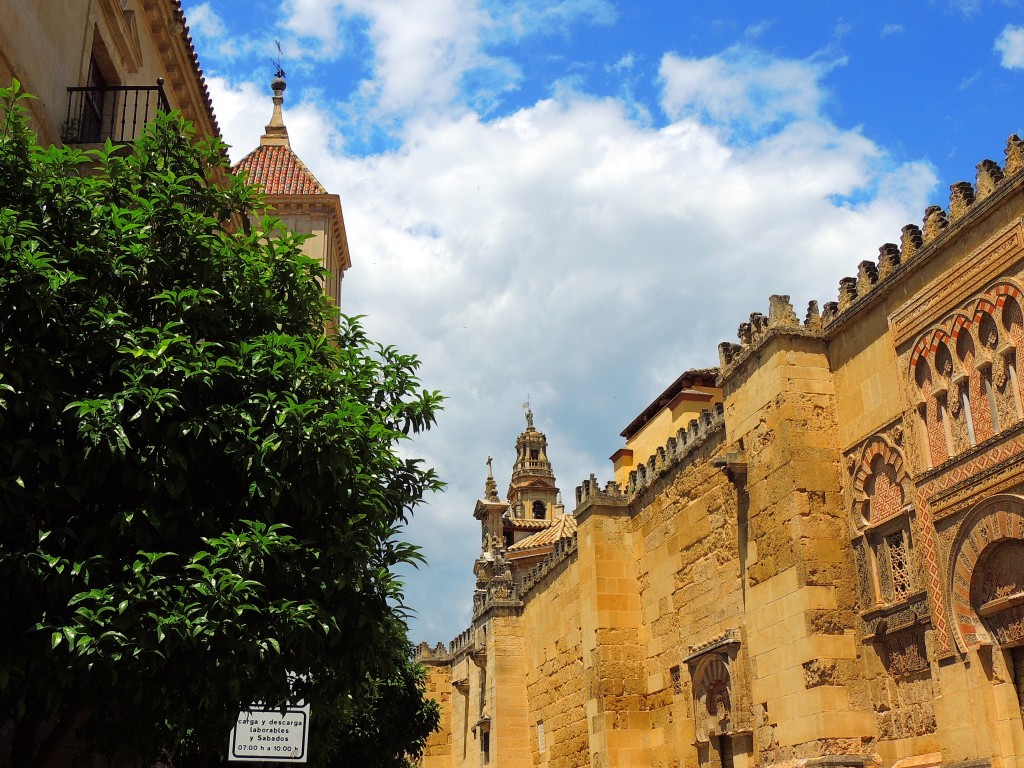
<point>1013,322</point>
<point>981,409</point>
<point>932,413</point>
<point>539,510</point>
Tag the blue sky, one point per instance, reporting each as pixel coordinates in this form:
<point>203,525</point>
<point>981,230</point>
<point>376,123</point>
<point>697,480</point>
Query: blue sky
<point>576,200</point>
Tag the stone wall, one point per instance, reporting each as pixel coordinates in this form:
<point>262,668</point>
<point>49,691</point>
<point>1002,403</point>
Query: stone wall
<point>554,669</point>
<point>687,572</point>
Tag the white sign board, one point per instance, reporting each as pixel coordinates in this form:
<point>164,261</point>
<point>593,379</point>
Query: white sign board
<point>270,736</point>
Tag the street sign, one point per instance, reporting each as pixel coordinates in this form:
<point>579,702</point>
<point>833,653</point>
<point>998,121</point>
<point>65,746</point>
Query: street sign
<point>262,736</point>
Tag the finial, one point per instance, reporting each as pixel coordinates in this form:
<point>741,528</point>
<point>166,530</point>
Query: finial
<point>529,413</point>
<point>276,134</point>
<point>491,487</point>
<point>278,71</point>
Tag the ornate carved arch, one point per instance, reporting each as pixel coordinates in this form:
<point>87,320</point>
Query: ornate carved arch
<point>959,323</point>
<point>973,559</point>
<point>879,483</point>
<point>1001,290</point>
<point>928,343</point>
<point>712,694</point>
<point>984,307</point>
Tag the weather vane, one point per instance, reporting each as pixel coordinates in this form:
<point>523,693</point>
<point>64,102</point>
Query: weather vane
<point>278,72</point>
<point>529,411</point>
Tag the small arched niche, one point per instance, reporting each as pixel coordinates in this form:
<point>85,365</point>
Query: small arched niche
<point>997,591</point>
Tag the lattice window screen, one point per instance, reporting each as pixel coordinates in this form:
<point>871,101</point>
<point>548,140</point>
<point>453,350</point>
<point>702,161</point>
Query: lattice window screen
<point>899,562</point>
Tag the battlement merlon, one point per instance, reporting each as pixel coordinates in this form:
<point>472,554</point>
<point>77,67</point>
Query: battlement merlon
<point>758,329</point>
<point>674,452</point>
<point>436,655</point>
<point>917,244</point>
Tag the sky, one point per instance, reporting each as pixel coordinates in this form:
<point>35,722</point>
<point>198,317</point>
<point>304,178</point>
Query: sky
<point>573,201</point>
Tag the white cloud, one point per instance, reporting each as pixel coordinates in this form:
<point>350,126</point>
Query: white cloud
<point>242,112</point>
<point>203,20</point>
<point>966,7</point>
<point>522,18</point>
<point>318,21</point>
<point>1010,45</point>
<point>430,54</point>
<point>755,31</point>
<point>892,29</point>
<point>574,253</point>
<point>625,63</point>
<point>741,86</point>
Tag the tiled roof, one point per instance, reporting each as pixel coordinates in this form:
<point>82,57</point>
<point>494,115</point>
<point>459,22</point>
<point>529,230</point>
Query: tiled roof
<point>704,377</point>
<point>525,524</point>
<point>563,528</point>
<point>278,171</point>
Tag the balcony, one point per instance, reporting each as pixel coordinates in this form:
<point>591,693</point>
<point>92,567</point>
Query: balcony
<point>115,112</point>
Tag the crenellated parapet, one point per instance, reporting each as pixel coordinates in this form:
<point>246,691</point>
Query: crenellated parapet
<point>590,490</point>
<point>872,275</point>
<point>674,453</point>
<point>425,654</point>
<point>466,642</point>
<point>563,549</point>
<point>781,319</point>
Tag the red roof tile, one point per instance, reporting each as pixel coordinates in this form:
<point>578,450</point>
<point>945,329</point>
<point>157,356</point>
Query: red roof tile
<point>562,528</point>
<point>278,171</point>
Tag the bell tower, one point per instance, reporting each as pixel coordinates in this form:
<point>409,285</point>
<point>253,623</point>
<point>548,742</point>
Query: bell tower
<point>532,494</point>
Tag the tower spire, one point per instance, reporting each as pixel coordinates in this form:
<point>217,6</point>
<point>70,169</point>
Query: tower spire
<point>532,492</point>
<point>276,134</point>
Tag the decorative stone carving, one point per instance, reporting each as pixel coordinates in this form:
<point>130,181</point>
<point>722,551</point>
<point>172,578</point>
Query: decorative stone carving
<point>979,392</point>
<point>780,312</point>
<point>847,292</point>
<point>997,592</point>
<point>986,574</point>
<point>911,241</point>
<point>905,653</point>
<point>712,692</point>
<point>888,259</point>
<point>1014,155</point>
<point>934,222</point>
<point>867,276</point>
<point>813,317</point>
<point>989,177</point>
<point>1006,401</point>
<point>961,198</point>
<point>877,483</point>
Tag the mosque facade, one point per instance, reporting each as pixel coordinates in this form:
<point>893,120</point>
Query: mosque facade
<point>809,555</point>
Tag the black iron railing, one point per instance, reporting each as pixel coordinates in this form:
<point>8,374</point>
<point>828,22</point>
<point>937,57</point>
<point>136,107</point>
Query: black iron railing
<point>115,112</point>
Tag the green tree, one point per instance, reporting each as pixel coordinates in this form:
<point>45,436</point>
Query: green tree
<point>388,725</point>
<point>199,492</point>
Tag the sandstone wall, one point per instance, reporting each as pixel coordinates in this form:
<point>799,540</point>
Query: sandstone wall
<point>801,589</point>
<point>438,752</point>
<point>554,669</point>
<point>687,573</point>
